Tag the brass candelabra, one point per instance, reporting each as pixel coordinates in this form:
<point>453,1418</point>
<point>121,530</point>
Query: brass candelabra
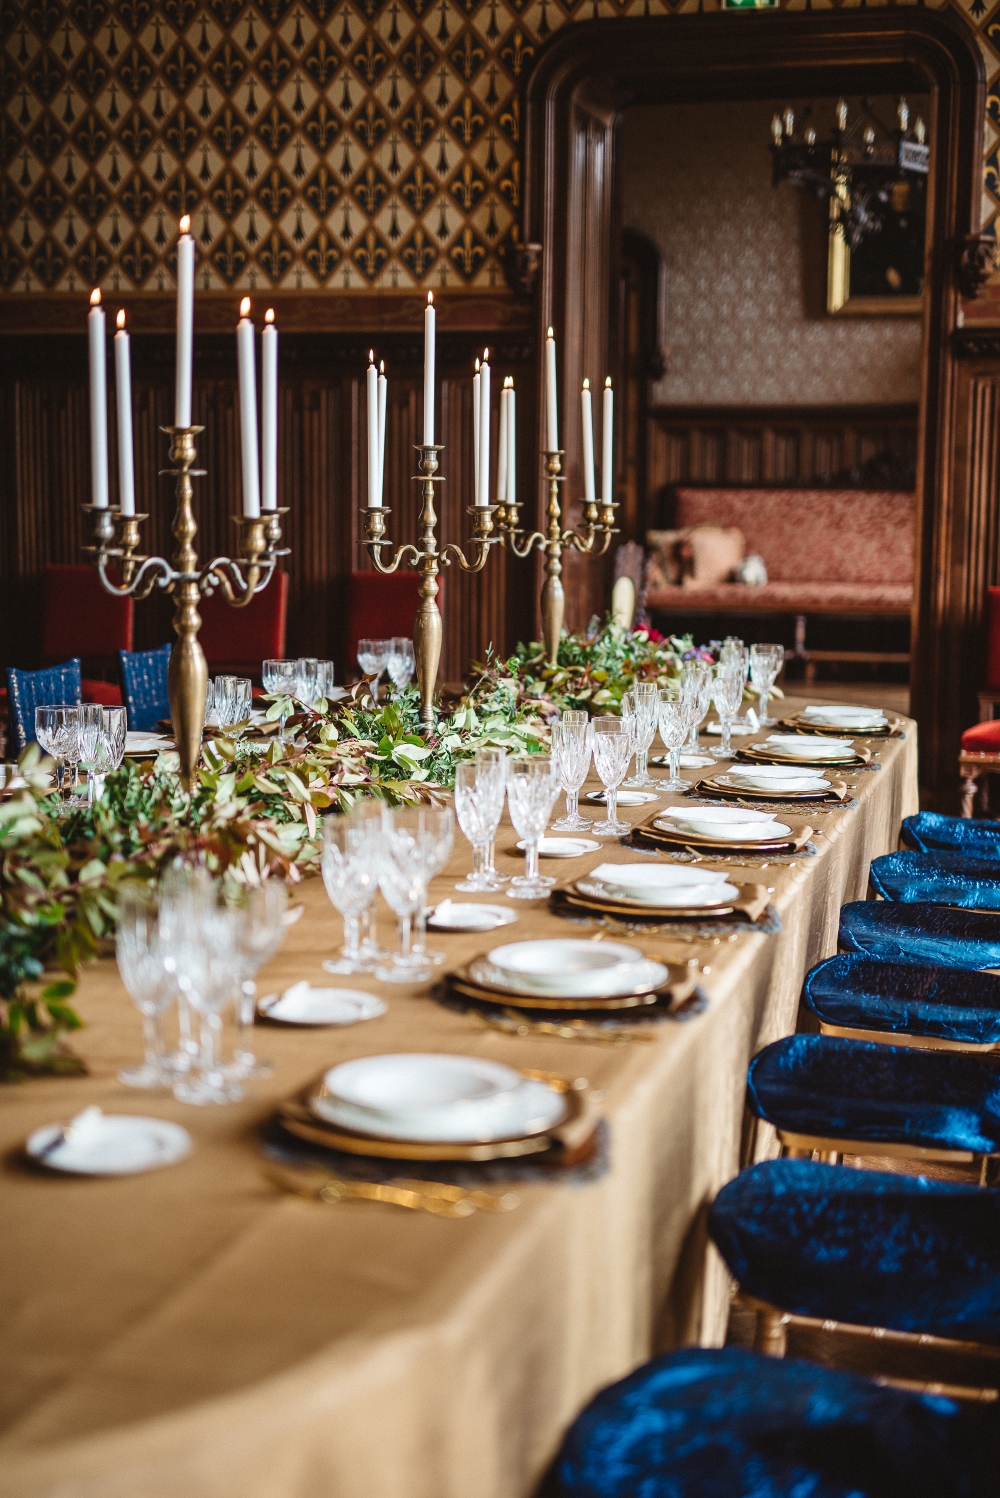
<point>116,541</point>
<point>599,523</point>
<point>428,561</point>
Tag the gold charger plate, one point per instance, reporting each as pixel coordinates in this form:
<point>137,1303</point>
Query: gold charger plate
<point>575,1130</point>
<point>712,787</point>
<point>474,988</point>
<point>696,844</point>
<point>614,906</point>
<point>806,725</point>
<point>758,755</point>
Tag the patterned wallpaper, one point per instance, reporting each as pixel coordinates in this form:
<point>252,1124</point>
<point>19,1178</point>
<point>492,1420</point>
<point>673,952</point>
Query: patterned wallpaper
<point>355,144</point>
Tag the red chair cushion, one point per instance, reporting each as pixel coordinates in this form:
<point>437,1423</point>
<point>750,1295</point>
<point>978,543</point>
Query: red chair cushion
<point>983,738</point>
<point>80,618</point>
<point>380,607</point>
<point>104,692</point>
<point>249,635</point>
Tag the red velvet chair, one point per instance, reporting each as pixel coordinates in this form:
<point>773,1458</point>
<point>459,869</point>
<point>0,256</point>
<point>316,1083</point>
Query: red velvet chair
<point>79,618</point>
<point>379,607</point>
<point>237,641</point>
<point>980,752</point>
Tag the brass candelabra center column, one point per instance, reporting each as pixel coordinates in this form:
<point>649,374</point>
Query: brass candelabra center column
<point>116,541</point>
<point>428,561</point>
<point>594,540</point>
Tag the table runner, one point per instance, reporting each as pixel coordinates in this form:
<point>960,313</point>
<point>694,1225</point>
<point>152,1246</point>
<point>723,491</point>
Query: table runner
<point>194,1334</point>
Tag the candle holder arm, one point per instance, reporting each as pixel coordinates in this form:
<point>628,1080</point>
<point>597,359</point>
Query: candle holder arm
<point>481,540</point>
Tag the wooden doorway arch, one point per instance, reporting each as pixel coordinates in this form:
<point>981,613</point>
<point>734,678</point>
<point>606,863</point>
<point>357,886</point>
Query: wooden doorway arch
<point>574,99</point>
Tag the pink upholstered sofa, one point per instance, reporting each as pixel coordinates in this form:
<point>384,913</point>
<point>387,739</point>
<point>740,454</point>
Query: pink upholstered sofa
<point>827,551</point>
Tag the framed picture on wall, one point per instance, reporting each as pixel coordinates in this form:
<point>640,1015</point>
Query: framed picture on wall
<point>884,271</point>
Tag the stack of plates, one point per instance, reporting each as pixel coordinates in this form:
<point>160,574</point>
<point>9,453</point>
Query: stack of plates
<point>563,973</point>
<point>425,1106</point>
<point>843,718</point>
<point>656,889</point>
<point>725,829</point>
<point>800,749</point>
<point>762,782</point>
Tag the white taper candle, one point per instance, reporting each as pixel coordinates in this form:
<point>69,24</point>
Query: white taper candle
<point>476,448</point>
<point>185,324</point>
<point>483,491</point>
<point>372,385</point>
<point>123,396</point>
<point>502,446</point>
<point>98,404</point>
<point>246,359</point>
<point>269,413</point>
<point>429,339</point>
<point>511,447</point>
<point>587,410</point>
<point>551,403</point>
<point>607,445</point>
<point>382,392</point>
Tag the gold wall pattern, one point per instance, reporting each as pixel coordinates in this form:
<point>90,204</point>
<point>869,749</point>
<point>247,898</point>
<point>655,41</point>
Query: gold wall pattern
<point>354,145</point>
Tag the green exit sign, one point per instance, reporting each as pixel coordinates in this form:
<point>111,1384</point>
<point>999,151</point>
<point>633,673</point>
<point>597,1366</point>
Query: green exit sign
<point>749,4</point>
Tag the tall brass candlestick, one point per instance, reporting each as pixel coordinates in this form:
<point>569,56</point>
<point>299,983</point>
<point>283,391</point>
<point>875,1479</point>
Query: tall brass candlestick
<point>116,540</point>
<point>428,560</point>
<point>599,519</point>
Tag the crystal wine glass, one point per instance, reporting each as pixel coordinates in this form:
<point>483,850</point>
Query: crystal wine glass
<point>478,814</point>
<point>259,932</point>
<point>350,877</point>
<point>735,653</point>
<point>206,960</point>
<point>727,694</point>
<point>673,718</point>
<point>95,750</point>
<point>612,752</point>
<point>371,658</point>
<point>306,682</point>
<point>696,678</point>
<point>141,963</point>
<point>46,732</point>
<point>367,816</point>
<point>532,787</point>
<point>491,765</point>
<point>404,873</point>
<point>438,824</point>
<point>400,662</point>
<point>571,753</point>
<point>766,662</point>
<point>643,707</point>
<point>324,680</point>
<point>68,741</point>
<point>280,680</point>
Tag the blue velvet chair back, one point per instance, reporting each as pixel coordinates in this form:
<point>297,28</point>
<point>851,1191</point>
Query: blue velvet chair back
<point>856,992</point>
<point>728,1423</point>
<point>938,878</point>
<point>921,933</point>
<point>144,677</point>
<point>857,1090</point>
<point>27,690</point>
<point>864,1247</point>
<point>933,832</point>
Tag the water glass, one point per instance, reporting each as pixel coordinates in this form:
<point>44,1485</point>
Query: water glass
<point>478,810</point>
<point>67,737</point>
<point>438,824</point>
<point>766,662</point>
<point>141,964</point>
<point>372,656</point>
<point>696,679</point>
<point>400,662</point>
<point>46,732</point>
<point>532,787</point>
<point>735,653</point>
<point>259,931</point>
<point>673,718</point>
<point>612,752</point>
<point>728,682</point>
<point>324,680</point>
<point>492,763</point>
<point>94,747</point>
<point>306,679</point>
<point>350,868</point>
<point>281,680</point>
<point>642,704</point>
<point>571,753</point>
<point>367,817</point>
<point>404,873</point>
<point>205,960</point>
<point>233,697</point>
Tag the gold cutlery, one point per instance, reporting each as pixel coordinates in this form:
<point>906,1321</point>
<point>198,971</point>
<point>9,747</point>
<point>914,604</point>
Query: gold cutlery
<point>512,1023</point>
<point>435,1197</point>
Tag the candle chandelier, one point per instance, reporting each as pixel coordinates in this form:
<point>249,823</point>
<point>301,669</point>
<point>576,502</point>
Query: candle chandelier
<point>860,168</point>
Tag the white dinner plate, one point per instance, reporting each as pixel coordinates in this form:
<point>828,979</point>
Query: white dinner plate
<point>683,896</point>
<point>406,1084</point>
<point>115,1144</point>
<point>614,983</point>
<point>653,876</point>
<point>564,847</point>
<point>833,712</point>
<point>733,832</point>
<point>625,798</point>
<point>808,746</point>
<point>303,1005</point>
<point>556,959</point>
<point>798,783</point>
<point>716,814</point>
<point>530,1108</point>
<point>452,916</point>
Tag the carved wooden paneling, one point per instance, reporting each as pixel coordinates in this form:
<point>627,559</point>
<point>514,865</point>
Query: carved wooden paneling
<point>45,478</point>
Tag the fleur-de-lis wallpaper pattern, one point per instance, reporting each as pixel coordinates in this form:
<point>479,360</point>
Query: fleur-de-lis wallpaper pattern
<point>355,144</point>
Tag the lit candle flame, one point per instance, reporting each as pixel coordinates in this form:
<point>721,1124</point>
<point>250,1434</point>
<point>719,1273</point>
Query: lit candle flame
<point>120,319</point>
<point>608,382</point>
<point>371,356</point>
<point>185,223</point>
<point>486,355</point>
<point>586,384</point>
<point>550,334</point>
<point>430,296</point>
<point>269,315</point>
<point>381,366</point>
<point>245,307</point>
<point>95,297</point>
<point>477,366</point>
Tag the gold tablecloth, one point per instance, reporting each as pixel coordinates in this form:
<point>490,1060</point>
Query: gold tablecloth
<point>194,1333</point>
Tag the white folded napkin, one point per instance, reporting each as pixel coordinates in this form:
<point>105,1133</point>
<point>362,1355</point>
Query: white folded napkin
<point>85,1128</point>
<point>841,709</point>
<point>723,814</point>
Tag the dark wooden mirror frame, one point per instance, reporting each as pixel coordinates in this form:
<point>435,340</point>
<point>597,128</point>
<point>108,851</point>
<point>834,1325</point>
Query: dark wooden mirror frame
<point>573,103</point>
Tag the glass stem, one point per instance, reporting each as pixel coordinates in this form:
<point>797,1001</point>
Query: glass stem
<point>612,795</point>
<point>727,735</point>
<point>573,803</point>
<point>244,1015</point>
<point>480,858</point>
<point>211,1031</point>
<point>675,764</point>
<point>764,696</point>
<point>641,758</point>
<point>186,1042</point>
<point>150,1040</point>
<point>352,937</point>
<point>405,925</point>
<point>90,790</point>
<point>531,860</point>
<point>491,850</point>
<point>420,923</point>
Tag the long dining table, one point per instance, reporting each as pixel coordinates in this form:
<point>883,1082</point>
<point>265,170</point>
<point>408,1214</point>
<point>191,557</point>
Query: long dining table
<point>199,1333</point>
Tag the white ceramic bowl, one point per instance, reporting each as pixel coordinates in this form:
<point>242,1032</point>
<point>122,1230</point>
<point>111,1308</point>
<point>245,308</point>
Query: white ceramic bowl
<point>736,832</point>
<point>531,1108</point>
<point>680,896</point>
<point>652,876</point>
<point>408,1085</point>
<point>722,814</point>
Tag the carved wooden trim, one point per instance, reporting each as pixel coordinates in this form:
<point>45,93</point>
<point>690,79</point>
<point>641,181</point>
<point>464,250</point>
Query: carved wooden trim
<point>975,258</point>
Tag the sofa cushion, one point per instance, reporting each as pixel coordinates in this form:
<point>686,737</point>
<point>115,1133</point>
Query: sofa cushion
<point>814,535</point>
<point>981,738</point>
<point>785,598</point>
<point>716,551</point>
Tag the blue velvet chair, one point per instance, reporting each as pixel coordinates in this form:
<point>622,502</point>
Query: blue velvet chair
<point>921,933</point>
<point>822,1244</point>
<point>958,879</point>
<point>728,1423</point>
<point>27,690</point>
<point>859,1098</point>
<point>932,832</point>
<point>904,1003</point>
<point>144,677</point>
